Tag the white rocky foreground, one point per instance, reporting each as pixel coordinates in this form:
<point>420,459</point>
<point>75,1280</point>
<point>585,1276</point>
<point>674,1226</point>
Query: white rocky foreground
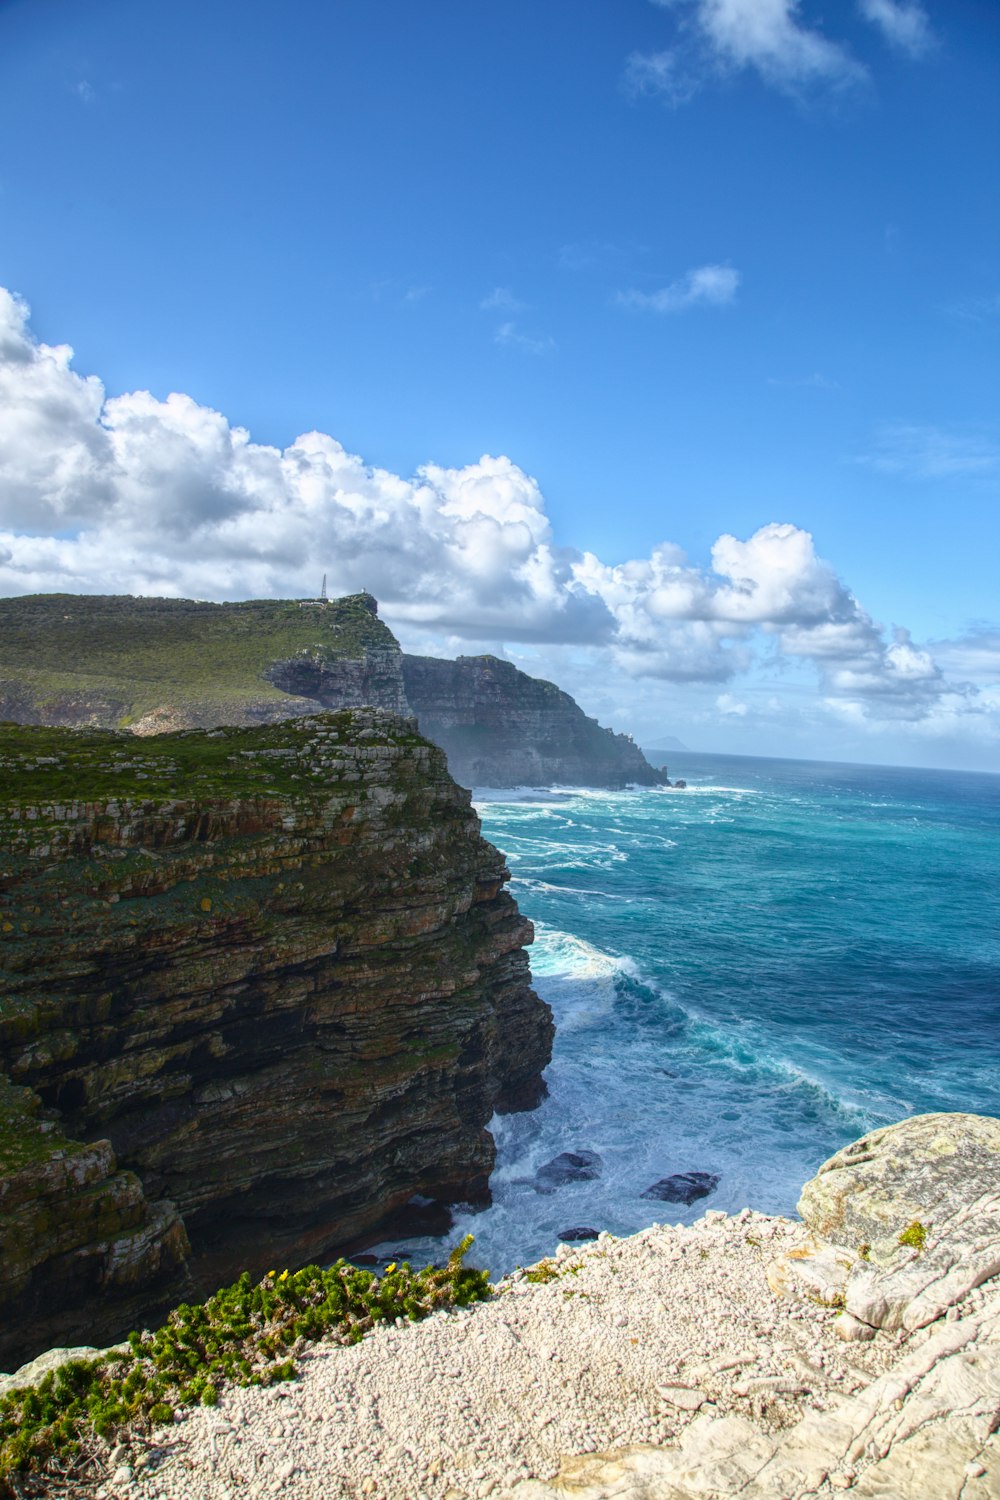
<point>746,1356</point>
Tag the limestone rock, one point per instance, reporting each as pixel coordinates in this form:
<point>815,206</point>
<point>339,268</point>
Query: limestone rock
<point>920,1171</point>
<point>927,1428</point>
<point>921,1202</point>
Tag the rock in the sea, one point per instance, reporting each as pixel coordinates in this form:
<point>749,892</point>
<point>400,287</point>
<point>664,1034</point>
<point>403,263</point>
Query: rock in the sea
<point>261,986</point>
<point>568,1166</point>
<point>683,1187</point>
<point>574,1236</point>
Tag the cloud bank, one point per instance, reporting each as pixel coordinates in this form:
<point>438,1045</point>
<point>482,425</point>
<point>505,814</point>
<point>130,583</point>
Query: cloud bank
<point>132,494</point>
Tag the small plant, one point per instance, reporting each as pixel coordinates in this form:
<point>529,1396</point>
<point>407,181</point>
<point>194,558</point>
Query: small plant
<point>244,1334</point>
<point>914,1235</point>
<point>546,1270</point>
<point>865,1252</point>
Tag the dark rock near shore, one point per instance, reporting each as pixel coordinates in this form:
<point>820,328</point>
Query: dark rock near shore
<point>683,1187</point>
<point>574,1236</point>
<point>568,1166</point>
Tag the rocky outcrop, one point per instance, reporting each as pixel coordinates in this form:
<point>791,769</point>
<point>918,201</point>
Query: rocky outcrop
<point>258,988</point>
<point>500,727</point>
<point>920,1292</point>
<point>157,665</point>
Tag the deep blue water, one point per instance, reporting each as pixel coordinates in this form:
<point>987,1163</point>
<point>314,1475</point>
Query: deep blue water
<point>745,976</point>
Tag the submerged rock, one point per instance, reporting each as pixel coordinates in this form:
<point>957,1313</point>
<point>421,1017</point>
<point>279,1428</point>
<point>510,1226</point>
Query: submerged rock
<point>683,1187</point>
<point>568,1166</point>
<point>575,1236</point>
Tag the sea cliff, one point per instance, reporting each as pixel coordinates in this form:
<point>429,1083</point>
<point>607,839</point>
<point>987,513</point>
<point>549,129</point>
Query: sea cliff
<point>500,727</point>
<point>259,987</point>
<point>149,665</point>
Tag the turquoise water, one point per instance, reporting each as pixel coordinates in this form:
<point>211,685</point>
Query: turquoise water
<point>745,975</point>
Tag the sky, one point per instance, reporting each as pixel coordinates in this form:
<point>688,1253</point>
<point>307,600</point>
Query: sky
<point>651,344</point>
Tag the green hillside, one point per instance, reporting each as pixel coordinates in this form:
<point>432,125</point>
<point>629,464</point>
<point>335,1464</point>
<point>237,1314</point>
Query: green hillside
<point>109,660</point>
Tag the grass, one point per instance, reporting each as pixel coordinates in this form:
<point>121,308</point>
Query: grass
<point>245,1335</point>
<point>914,1236</point>
<point>125,656</point>
<point>41,765</point>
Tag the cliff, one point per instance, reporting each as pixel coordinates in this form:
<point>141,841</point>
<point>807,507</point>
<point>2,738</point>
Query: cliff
<point>117,662</point>
<point>150,665</point>
<point>258,988</point>
<point>500,727</point>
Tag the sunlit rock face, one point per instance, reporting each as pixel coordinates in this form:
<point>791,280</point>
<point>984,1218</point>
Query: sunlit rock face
<point>258,988</point>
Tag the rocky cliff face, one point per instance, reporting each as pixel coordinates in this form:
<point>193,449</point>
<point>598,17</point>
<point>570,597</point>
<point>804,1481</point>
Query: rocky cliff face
<point>258,988</point>
<point>153,665</point>
<point>500,727</point>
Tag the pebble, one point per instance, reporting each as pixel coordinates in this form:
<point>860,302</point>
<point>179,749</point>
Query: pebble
<point>469,1405</point>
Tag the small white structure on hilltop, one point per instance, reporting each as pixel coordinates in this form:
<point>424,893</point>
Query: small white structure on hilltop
<point>321,600</point>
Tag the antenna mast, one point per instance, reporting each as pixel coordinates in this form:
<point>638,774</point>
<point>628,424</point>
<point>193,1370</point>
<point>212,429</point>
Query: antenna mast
<point>322,592</point>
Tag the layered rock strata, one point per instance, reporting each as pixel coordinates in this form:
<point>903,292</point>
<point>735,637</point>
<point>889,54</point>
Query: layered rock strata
<point>258,988</point>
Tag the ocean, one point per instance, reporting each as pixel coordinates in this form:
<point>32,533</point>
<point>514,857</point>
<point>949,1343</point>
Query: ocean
<point>745,975</point>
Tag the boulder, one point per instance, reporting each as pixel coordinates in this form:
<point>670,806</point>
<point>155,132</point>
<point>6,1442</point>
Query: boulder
<point>683,1187</point>
<point>568,1166</point>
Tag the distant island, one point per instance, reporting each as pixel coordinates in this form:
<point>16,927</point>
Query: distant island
<point>152,665</point>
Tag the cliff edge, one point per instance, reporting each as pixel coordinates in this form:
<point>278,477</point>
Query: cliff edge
<point>151,665</point>
<point>258,988</point>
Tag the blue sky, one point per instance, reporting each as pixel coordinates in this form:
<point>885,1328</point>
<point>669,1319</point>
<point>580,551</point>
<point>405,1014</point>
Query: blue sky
<point>684,271</point>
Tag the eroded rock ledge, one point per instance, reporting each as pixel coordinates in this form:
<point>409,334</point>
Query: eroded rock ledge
<point>258,988</point>
<point>902,1232</point>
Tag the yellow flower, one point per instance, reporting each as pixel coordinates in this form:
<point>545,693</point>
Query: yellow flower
<point>272,1273</point>
<point>390,1267</point>
<point>283,1276</point>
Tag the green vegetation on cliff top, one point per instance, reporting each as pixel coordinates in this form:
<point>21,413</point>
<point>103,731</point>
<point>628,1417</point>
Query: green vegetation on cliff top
<point>294,757</point>
<point>138,654</point>
<point>245,1334</point>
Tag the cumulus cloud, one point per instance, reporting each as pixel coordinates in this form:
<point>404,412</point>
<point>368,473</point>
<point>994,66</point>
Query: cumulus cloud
<point>134,494</point>
<point>903,23</point>
<point>716,37</point>
<point>705,286</point>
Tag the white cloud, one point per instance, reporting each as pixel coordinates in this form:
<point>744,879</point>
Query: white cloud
<point>501,299</point>
<point>133,494</point>
<point>716,37</point>
<point>903,23</point>
<point>920,451</point>
<point>509,336</point>
<point>705,286</point>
